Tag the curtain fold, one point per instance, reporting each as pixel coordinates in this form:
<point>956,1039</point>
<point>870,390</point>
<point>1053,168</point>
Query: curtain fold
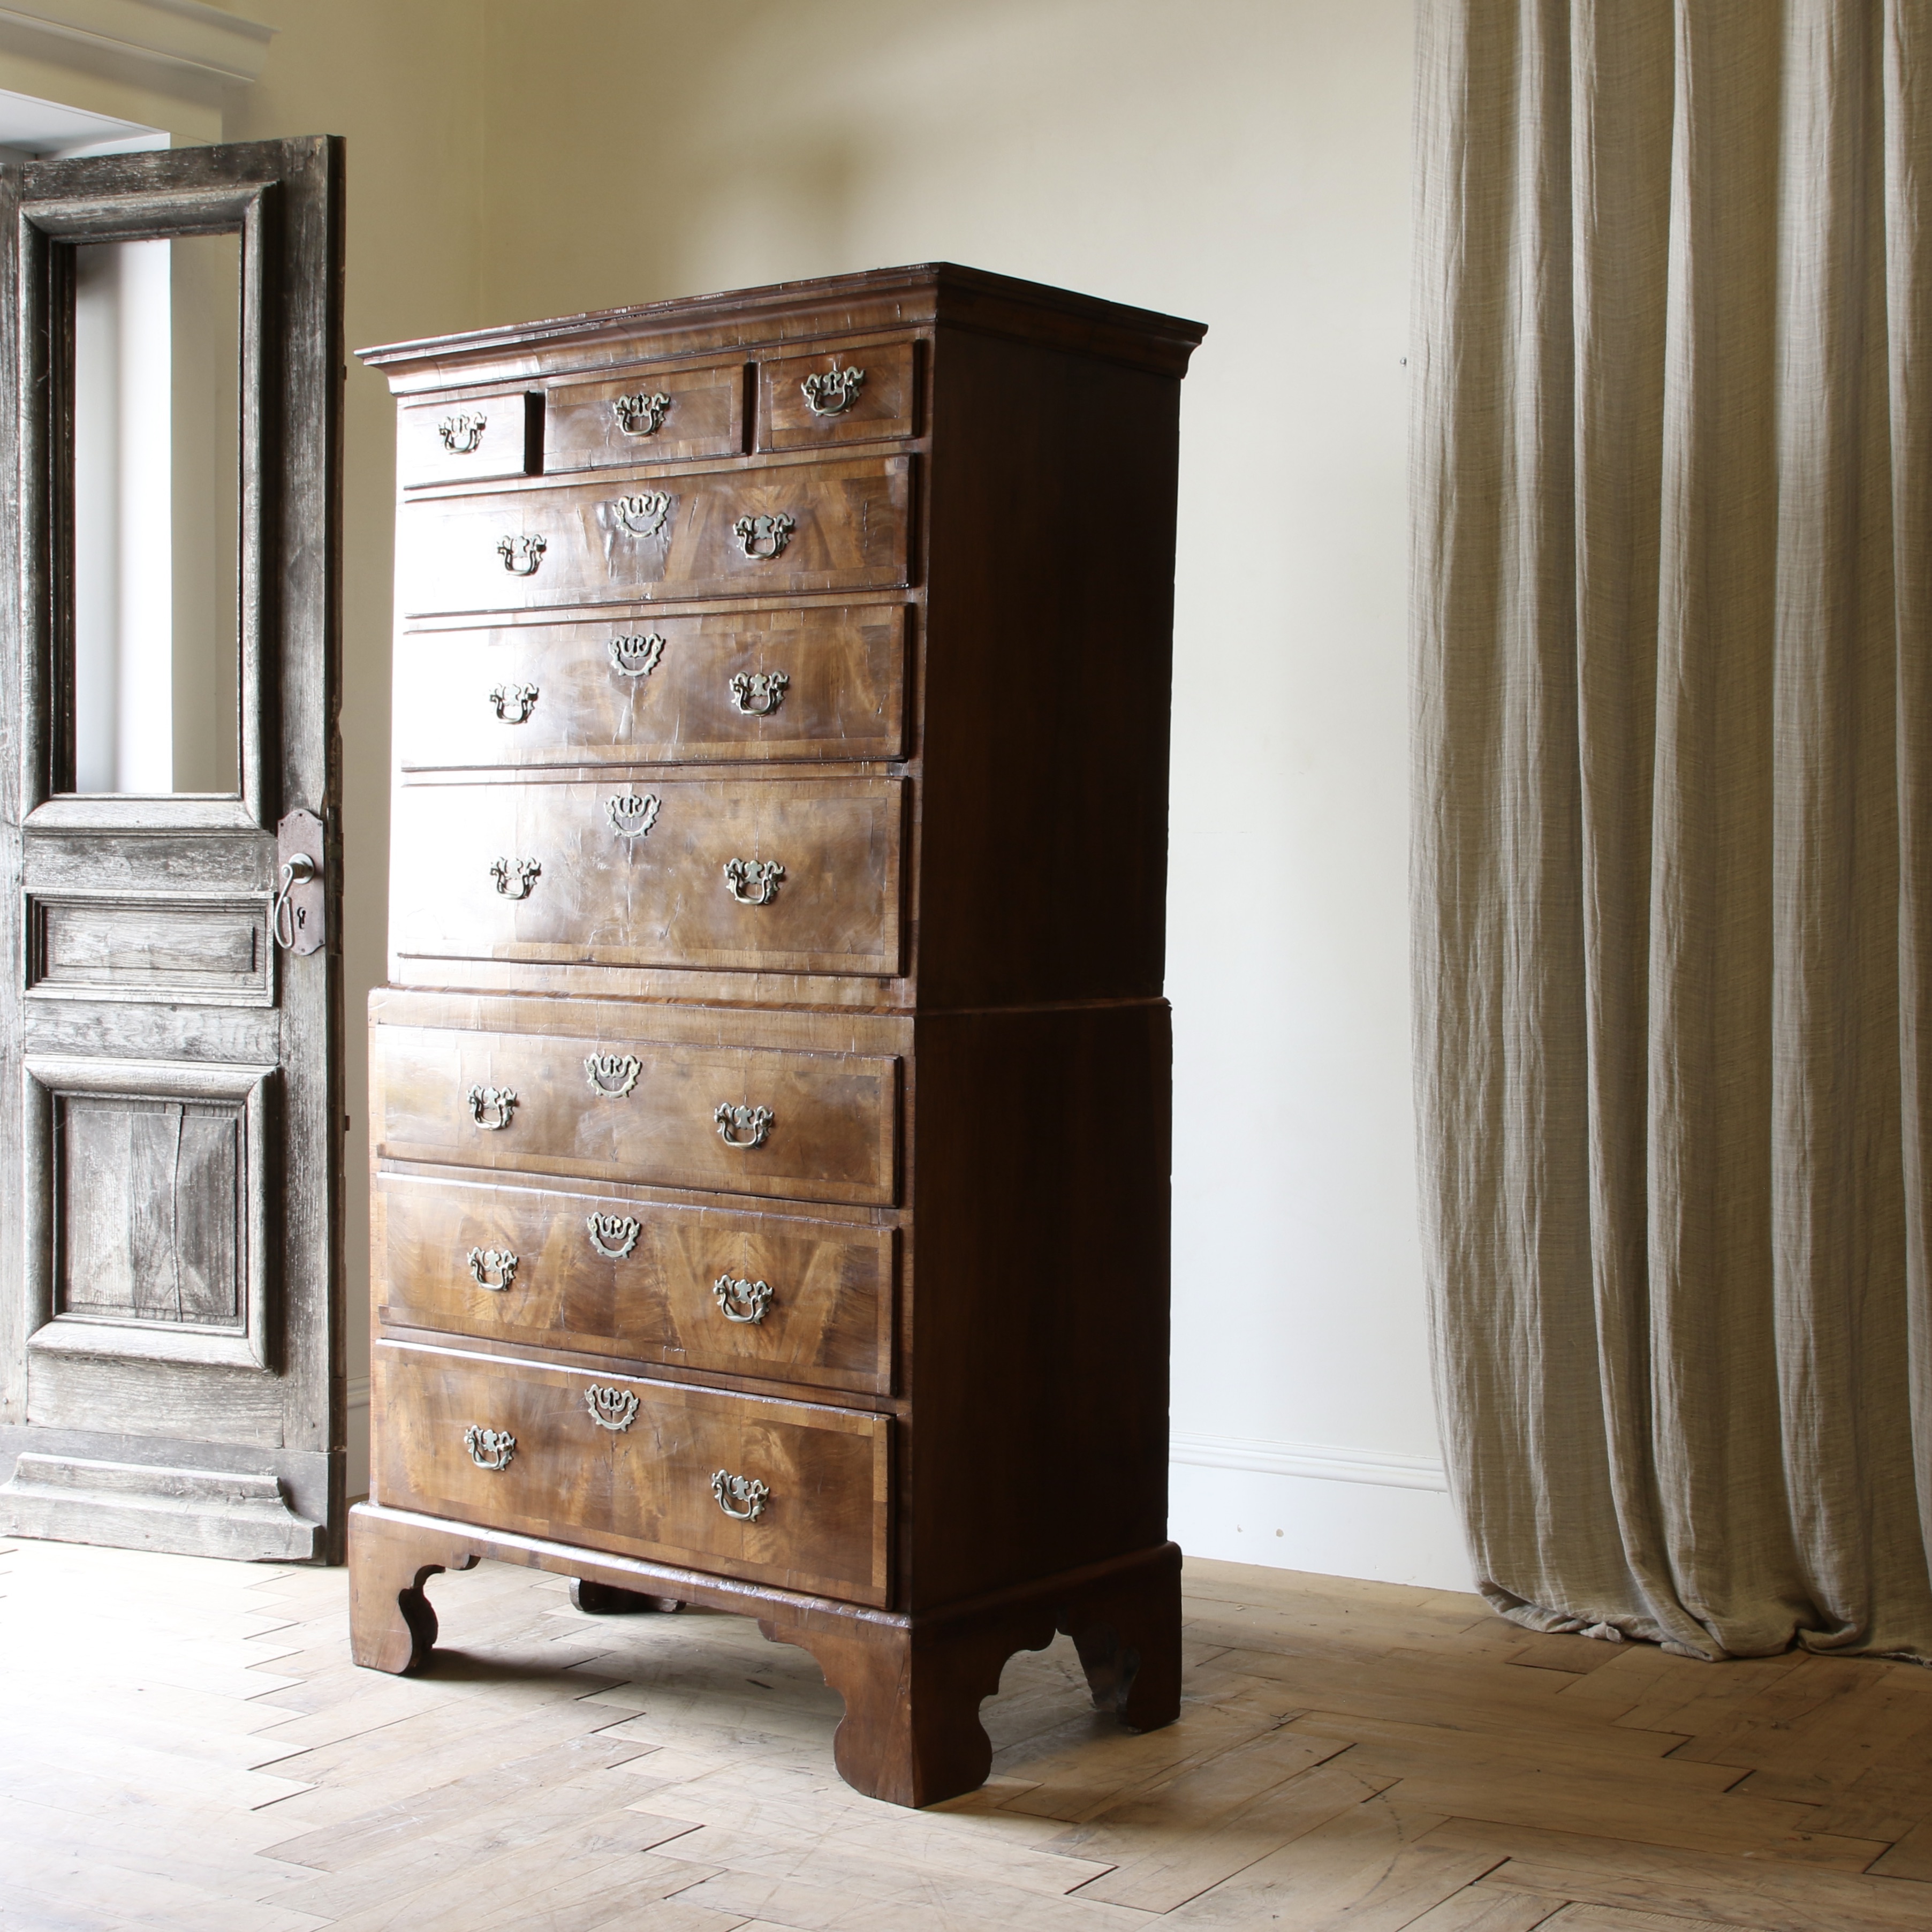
<point>1673,917</point>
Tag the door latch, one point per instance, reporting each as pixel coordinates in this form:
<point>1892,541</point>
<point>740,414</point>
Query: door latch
<point>297,916</point>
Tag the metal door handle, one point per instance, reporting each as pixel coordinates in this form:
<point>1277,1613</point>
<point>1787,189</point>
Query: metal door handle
<point>298,912</point>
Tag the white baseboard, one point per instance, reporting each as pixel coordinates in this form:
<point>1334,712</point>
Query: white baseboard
<point>356,1474</point>
<point>1336,1512</point>
<point>1309,1459</point>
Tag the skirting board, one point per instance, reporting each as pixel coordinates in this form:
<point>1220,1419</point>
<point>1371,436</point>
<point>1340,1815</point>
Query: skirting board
<point>1302,1506</point>
<point>355,1469</point>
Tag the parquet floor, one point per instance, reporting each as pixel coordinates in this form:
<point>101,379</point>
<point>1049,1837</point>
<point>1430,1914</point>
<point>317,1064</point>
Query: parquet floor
<point>185,1743</point>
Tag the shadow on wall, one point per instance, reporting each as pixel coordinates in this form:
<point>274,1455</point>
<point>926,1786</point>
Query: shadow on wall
<point>765,154</point>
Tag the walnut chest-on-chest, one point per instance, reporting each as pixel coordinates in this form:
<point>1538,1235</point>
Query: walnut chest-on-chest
<point>771,1097</point>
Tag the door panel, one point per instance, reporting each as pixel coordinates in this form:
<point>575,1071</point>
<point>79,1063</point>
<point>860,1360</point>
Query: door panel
<point>171,1349</point>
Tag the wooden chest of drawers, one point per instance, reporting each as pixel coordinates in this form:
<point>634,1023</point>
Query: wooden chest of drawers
<point>772,1091</point>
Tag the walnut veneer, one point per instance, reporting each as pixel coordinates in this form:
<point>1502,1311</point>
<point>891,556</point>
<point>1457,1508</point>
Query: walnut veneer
<point>772,1093</point>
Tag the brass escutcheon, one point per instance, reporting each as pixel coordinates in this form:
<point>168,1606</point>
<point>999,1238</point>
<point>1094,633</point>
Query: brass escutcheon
<point>613,1075</point>
<point>636,656</point>
<point>613,1236</point>
<point>612,1409</point>
<point>631,814</point>
<point>643,515</point>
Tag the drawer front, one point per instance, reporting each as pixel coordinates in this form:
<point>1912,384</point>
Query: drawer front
<point>735,685</point>
<point>773,1295</point>
<point>798,875</point>
<point>696,533</point>
<point>639,1480</point>
<point>806,401</point>
<point>477,440</point>
<point>808,1126</point>
<point>645,415</point>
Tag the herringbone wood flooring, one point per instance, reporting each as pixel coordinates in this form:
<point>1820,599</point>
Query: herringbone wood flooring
<point>187,1744</point>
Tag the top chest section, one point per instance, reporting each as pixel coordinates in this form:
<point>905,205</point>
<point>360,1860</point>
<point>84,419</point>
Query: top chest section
<point>785,471</point>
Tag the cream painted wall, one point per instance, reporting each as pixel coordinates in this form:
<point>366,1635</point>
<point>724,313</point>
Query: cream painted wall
<point>1244,162</point>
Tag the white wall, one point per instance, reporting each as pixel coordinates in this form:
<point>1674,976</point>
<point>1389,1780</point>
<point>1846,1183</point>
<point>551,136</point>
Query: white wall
<point>1245,163</point>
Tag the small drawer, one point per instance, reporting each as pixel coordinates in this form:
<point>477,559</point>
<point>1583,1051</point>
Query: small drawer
<point>647,415</point>
<point>771,532</point>
<point>781,1492</point>
<point>479,439</point>
<point>735,685</point>
<point>790,875</point>
<point>729,1120</point>
<point>720,1288</point>
<point>838,395</point>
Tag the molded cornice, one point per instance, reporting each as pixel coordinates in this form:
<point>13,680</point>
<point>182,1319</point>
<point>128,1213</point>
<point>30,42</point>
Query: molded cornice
<point>170,40</point>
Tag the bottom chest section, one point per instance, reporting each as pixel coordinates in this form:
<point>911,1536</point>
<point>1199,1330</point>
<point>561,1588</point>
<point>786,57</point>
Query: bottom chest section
<point>782,1492</point>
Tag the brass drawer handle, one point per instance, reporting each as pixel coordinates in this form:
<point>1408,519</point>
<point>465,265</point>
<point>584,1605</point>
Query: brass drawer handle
<point>499,1262</point>
<point>643,515</point>
<point>612,1409</point>
<point>514,703</point>
<point>515,876</point>
<point>741,1301</point>
<point>636,656</point>
<point>613,1075</point>
<point>640,414</point>
<point>833,393</point>
<point>729,1489</point>
<point>632,814</point>
<point>521,555</point>
<point>489,1448</point>
<point>613,1236</point>
<point>490,1107</point>
<point>754,1121</point>
<point>462,433</point>
<point>758,693</point>
<point>763,876</point>
<point>774,533</point>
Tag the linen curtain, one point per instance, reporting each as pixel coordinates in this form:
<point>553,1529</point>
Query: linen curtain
<point>1672,886</point>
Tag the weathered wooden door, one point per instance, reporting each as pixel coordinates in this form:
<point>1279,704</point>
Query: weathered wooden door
<point>171,1122</point>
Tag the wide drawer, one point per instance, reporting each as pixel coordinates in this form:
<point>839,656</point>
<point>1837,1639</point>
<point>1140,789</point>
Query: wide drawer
<point>798,875</point>
<point>777,1491</point>
<point>760,532</point>
<point>718,1288</point>
<point>730,686</point>
<point>809,1127</point>
<point>645,415</point>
